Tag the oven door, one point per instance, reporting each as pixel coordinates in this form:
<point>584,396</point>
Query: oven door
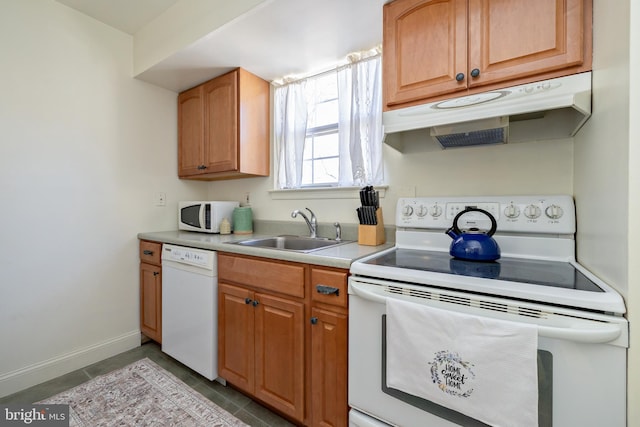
<point>581,359</point>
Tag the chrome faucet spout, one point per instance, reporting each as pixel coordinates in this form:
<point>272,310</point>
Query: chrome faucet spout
<point>338,231</point>
<point>311,223</point>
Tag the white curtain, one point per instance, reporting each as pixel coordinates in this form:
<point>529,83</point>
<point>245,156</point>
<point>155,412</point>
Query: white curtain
<point>360,123</point>
<point>360,126</point>
<point>290,121</point>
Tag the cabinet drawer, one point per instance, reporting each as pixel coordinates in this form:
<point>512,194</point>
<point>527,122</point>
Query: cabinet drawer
<point>150,252</point>
<point>329,286</point>
<point>273,276</point>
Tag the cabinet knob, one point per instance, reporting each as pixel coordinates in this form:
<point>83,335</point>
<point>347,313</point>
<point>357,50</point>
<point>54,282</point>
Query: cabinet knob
<point>327,290</point>
<point>314,320</point>
<point>147,252</point>
<point>475,72</point>
<point>155,273</point>
<point>255,303</point>
<point>460,77</point>
<point>202,167</point>
<point>248,300</point>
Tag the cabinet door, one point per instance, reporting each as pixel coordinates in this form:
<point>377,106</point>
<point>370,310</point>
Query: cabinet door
<point>329,345</point>
<point>279,353</point>
<point>151,301</point>
<point>424,48</point>
<point>236,336</point>
<point>221,123</point>
<point>190,132</point>
<point>520,38</point>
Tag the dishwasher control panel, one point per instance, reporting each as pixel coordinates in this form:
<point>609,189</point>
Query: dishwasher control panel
<point>191,256</point>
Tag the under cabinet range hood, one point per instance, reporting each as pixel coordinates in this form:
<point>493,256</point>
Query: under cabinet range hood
<point>548,109</point>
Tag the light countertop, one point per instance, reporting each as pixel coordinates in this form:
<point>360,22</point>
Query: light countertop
<point>340,256</point>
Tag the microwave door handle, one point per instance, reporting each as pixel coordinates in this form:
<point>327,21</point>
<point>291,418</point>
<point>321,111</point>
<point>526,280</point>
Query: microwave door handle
<point>594,334</point>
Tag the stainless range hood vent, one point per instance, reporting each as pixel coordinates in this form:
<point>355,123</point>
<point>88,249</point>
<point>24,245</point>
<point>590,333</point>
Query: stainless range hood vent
<point>549,109</point>
<point>479,132</point>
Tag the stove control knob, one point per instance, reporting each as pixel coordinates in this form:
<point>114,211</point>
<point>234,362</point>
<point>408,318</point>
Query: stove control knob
<point>512,211</point>
<point>407,211</point>
<point>532,211</point>
<point>436,211</point>
<point>422,211</point>
<point>554,212</point>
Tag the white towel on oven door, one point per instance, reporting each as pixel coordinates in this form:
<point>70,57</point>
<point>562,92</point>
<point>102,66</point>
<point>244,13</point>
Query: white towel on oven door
<point>481,367</point>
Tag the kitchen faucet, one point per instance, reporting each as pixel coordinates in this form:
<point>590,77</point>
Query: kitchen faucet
<point>338,231</point>
<point>312,224</point>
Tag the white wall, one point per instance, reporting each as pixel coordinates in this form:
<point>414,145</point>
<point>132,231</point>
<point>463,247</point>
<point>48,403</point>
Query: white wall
<point>633,292</point>
<point>181,25</point>
<point>601,152</point>
<point>83,149</point>
<point>607,184</point>
<point>536,167</point>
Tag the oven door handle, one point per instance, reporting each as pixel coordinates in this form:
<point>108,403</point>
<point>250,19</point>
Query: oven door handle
<point>597,333</point>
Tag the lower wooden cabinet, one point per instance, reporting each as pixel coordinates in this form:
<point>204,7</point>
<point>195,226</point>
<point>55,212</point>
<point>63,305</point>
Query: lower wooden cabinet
<point>283,336</point>
<point>329,347</point>
<point>151,290</point>
<point>236,344</point>
<point>261,347</point>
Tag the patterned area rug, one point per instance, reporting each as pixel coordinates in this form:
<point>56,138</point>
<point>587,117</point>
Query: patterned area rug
<point>141,394</point>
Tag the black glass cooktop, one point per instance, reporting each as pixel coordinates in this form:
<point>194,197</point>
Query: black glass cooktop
<point>538,272</point>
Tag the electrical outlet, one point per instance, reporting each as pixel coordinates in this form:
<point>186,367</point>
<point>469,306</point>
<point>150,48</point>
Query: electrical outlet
<point>161,199</point>
<point>247,200</point>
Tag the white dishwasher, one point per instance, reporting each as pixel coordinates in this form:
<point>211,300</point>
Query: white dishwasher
<point>190,307</point>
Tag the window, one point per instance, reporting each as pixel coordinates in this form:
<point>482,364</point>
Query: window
<point>321,158</point>
<point>328,128</point>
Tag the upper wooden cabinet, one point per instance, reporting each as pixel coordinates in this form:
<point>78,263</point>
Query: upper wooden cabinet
<point>435,48</point>
<point>223,128</point>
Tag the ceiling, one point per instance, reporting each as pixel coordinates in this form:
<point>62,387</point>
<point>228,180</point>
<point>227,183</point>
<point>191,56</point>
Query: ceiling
<point>125,15</point>
<point>276,39</point>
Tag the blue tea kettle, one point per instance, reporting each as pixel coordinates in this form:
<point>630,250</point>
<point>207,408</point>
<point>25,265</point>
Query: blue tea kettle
<point>474,244</point>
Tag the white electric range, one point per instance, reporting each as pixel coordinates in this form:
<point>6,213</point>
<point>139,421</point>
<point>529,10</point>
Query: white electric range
<point>583,335</point>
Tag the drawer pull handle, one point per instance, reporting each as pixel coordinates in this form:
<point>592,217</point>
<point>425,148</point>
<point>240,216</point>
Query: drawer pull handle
<point>327,290</point>
<point>147,252</point>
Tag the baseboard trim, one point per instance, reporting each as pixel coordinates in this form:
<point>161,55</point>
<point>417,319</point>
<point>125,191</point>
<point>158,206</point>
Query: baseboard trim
<point>15,381</point>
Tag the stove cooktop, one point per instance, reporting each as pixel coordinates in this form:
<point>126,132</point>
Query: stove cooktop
<point>538,272</point>
<point>536,237</point>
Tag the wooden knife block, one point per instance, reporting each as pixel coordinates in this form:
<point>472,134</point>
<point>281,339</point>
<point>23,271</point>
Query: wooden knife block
<point>372,235</point>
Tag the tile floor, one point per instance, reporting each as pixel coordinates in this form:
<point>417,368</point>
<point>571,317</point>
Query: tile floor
<point>231,400</point>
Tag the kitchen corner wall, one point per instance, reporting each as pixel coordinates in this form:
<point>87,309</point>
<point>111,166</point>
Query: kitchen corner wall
<point>83,149</point>
<point>607,181</point>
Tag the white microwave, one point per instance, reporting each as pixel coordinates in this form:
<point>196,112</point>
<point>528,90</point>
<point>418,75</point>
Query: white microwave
<point>204,217</point>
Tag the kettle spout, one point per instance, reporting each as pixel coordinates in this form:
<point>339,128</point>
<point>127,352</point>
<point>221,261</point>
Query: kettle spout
<point>452,233</point>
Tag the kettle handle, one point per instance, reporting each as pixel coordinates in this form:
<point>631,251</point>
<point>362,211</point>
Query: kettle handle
<point>494,225</point>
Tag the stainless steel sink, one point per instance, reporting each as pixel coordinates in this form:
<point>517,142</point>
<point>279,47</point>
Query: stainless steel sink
<point>291,243</point>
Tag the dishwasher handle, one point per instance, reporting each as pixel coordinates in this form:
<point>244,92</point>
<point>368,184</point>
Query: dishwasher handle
<point>596,333</point>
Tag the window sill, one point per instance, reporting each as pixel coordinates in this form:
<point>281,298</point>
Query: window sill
<point>323,193</point>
